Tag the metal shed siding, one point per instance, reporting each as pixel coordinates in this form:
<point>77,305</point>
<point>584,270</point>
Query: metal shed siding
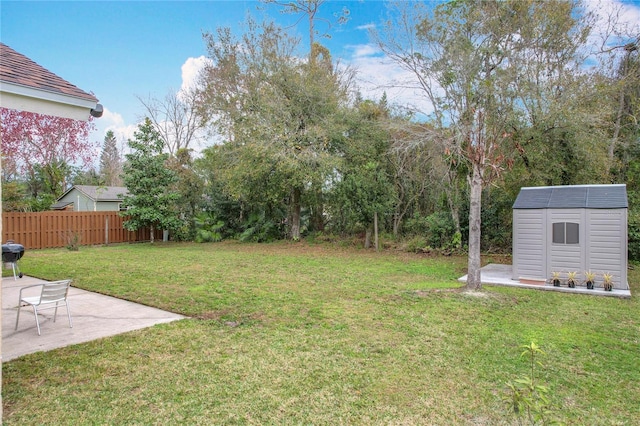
<point>528,243</point>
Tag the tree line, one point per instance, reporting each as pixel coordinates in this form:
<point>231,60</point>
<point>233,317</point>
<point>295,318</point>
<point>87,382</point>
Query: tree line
<point>520,93</point>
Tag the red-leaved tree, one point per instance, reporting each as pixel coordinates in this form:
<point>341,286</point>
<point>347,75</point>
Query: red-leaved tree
<point>31,141</point>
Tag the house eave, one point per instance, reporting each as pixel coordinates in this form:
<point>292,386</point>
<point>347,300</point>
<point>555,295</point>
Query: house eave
<point>24,98</point>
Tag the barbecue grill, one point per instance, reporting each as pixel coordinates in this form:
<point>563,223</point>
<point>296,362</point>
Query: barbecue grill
<point>11,253</point>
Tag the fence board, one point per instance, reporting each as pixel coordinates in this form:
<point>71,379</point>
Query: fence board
<point>53,228</point>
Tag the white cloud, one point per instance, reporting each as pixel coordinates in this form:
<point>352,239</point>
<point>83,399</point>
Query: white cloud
<point>377,74</point>
<point>360,50</point>
<point>191,70</point>
<point>625,16</point>
<point>366,27</point>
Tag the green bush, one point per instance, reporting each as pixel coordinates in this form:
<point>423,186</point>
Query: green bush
<point>437,228</point>
<point>416,244</point>
<point>208,228</point>
<point>259,229</point>
<point>527,398</point>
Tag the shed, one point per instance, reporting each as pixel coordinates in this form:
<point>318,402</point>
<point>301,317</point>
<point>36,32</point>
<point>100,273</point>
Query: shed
<point>571,228</point>
<point>84,198</point>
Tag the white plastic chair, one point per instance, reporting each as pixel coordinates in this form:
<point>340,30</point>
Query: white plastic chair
<point>52,293</point>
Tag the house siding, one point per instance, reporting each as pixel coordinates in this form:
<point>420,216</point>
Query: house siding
<point>79,200</point>
<point>83,203</point>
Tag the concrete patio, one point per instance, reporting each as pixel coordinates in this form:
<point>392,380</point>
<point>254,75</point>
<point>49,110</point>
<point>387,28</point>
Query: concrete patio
<point>496,274</point>
<point>93,316</point>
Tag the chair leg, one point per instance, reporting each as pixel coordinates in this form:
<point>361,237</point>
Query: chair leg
<point>55,312</point>
<point>68,313</point>
<point>35,312</point>
<point>18,317</point>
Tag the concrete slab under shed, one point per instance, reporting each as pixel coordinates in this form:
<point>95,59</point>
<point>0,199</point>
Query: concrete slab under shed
<point>497,274</point>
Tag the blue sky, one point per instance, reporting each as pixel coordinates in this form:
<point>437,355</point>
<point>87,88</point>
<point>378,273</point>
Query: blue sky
<point>120,49</point>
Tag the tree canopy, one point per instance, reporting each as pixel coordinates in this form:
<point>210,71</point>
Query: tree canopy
<point>150,201</point>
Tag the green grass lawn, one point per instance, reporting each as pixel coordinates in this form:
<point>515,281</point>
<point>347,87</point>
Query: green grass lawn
<point>315,334</point>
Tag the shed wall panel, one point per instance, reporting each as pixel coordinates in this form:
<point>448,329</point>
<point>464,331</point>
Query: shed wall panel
<point>529,242</point>
<point>607,248</point>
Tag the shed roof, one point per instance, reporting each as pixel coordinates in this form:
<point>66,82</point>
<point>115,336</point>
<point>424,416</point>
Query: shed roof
<point>573,196</point>
<point>100,193</point>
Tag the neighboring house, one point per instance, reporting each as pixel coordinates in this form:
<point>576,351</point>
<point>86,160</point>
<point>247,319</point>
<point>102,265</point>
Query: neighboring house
<point>571,229</point>
<point>86,198</point>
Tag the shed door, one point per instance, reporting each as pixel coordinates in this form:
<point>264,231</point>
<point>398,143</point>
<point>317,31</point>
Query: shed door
<point>566,240</point>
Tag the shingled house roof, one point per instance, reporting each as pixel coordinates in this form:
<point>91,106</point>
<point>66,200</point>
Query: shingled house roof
<point>15,68</point>
<point>101,193</point>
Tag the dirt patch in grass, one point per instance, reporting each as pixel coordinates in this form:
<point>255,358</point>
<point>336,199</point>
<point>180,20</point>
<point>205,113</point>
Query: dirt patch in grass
<point>456,290</point>
<point>229,318</point>
<point>213,315</point>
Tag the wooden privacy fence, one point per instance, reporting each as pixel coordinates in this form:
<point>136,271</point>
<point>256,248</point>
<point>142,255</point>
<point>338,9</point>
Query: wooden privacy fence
<point>54,228</point>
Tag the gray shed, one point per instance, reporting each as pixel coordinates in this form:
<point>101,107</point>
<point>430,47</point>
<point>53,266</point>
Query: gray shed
<point>571,228</point>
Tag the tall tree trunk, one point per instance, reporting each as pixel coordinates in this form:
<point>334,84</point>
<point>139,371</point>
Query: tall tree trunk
<point>451,191</point>
<point>396,223</point>
<point>367,238</point>
<point>151,229</point>
<point>475,203</point>
<point>295,214</point>
<point>617,126</point>
<point>375,231</point>
<point>317,212</point>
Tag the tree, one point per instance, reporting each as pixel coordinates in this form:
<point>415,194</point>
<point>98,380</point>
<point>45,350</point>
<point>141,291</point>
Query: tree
<point>465,57</point>
<point>277,114</point>
<point>189,186</point>
<point>363,190</point>
<point>14,197</point>
<point>175,119</point>
<point>41,151</point>
<point>110,161</point>
<point>309,8</point>
<point>30,140</point>
<point>151,199</point>
<point>87,177</point>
